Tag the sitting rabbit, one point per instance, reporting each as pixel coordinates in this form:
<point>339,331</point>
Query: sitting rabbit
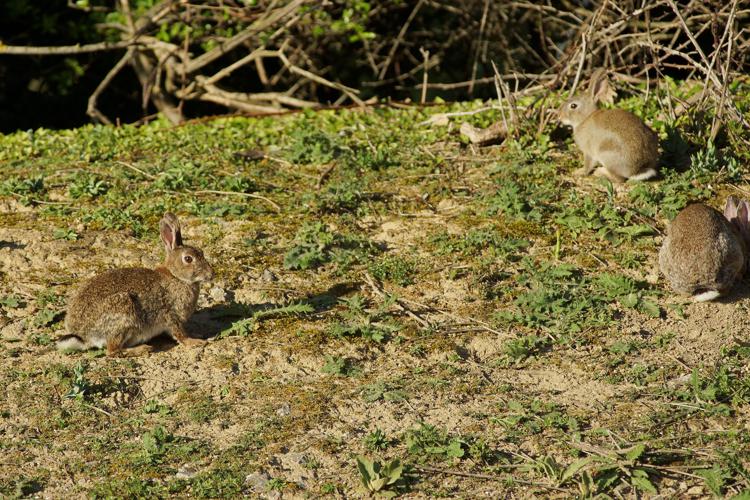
<point>128,307</point>
<point>624,146</point>
<point>705,252</point>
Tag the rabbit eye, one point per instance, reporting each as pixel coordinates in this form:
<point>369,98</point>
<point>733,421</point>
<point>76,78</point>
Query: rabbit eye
<point>187,259</point>
<point>573,105</point>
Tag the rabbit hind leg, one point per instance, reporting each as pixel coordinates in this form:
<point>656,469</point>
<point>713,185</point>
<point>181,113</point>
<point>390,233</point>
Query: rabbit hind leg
<point>124,325</point>
<point>605,172</point>
<point>117,345</point>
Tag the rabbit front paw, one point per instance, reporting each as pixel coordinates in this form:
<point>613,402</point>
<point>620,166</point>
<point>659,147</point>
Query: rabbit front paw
<point>192,342</point>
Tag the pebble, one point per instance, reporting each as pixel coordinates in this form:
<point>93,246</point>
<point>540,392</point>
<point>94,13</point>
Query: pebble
<point>217,294</point>
<point>284,410</point>
<point>186,471</point>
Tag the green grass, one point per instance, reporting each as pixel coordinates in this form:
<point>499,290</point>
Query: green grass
<point>513,330</point>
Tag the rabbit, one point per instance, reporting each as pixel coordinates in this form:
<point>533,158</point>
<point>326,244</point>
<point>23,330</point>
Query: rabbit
<point>624,146</point>
<point>127,307</point>
<point>706,252</point>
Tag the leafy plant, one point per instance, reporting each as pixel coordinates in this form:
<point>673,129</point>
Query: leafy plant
<point>11,302</point>
<point>536,417</point>
<point>556,298</point>
<point>154,444</point>
<point>377,440</point>
<point>710,162</point>
<point>315,245</point>
<point>47,316</point>
<point>246,326</point>
<point>65,234</point>
<point>395,269</point>
<point>87,186</point>
<point>601,471</point>
<point>311,146</point>
<point>79,387</point>
<point>627,292</point>
<point>488,240</point>
<point>715,478</point>
<point>383,390</point>
<point>336,365</point>
<point>358,321</point>
<point>519,349</point>
<point>427,442</point>
<point>384,479</point>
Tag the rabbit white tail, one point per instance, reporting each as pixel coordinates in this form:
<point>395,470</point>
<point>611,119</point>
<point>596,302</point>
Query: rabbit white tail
<point>647,174</point>
<point>71,343</point>
<point>706,296</point>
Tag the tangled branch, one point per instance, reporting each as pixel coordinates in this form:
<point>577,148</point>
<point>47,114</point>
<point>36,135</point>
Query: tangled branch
<point>282,54</point>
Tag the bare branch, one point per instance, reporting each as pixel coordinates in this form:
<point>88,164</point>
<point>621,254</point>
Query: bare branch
<point>64,50</point>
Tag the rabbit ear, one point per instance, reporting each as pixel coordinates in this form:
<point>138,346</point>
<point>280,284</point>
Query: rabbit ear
<point>745,211</point>
<point>169,229</point>
<point>731,208</point>
<point>743,216</point>
<point>600,88</point>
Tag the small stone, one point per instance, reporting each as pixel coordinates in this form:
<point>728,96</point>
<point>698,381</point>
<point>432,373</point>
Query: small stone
<point>257,481</point>
<point>186,471</point>
<point>695,490</point>
<point>217,294</point>
<point>268,276</point>
<point>284,410</point>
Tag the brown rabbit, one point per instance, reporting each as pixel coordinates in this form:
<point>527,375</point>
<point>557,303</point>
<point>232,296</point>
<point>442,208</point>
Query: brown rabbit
<point>625,147</point>
<point>705,253</point>
<point>128,307</point>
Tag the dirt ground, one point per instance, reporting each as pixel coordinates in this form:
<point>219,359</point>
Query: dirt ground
<point>257,413</point>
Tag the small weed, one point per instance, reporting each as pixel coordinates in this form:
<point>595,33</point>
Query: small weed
<point>490,241</point>
<point>154,407</point>
<point>627,292</point>
<point>23,187</point>
<point>536,418</point>
<point>516,202</point>
<point>80,387</point>
<point>715,479</point>
<point>382,390</point>
<point>128,488</point>
<point>315,245</point>
<point>555,298</point>
<point>358,322</point>
<point>394,269</point>
<point>339,366</point>
<point>11,302</point>
<point>65,234</point>
<point>668,197</point>
<point>113,218</point>
<point>709,162</point>
<point>377,441</point>
<point>517,350</point>
<point>601,472</point>
<point>246,326</point>
<point>86,185</point>
<point>46,317</point>
<point>217,483</point>
<point>276,484</point>
<point>311,146</point>
<point>427,443</point>
<point>154,445</point>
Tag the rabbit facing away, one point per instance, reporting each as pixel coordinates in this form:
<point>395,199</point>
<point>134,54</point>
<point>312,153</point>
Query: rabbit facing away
<point>705,252</point>
<point>127,307</point>
<point>619,141</point>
